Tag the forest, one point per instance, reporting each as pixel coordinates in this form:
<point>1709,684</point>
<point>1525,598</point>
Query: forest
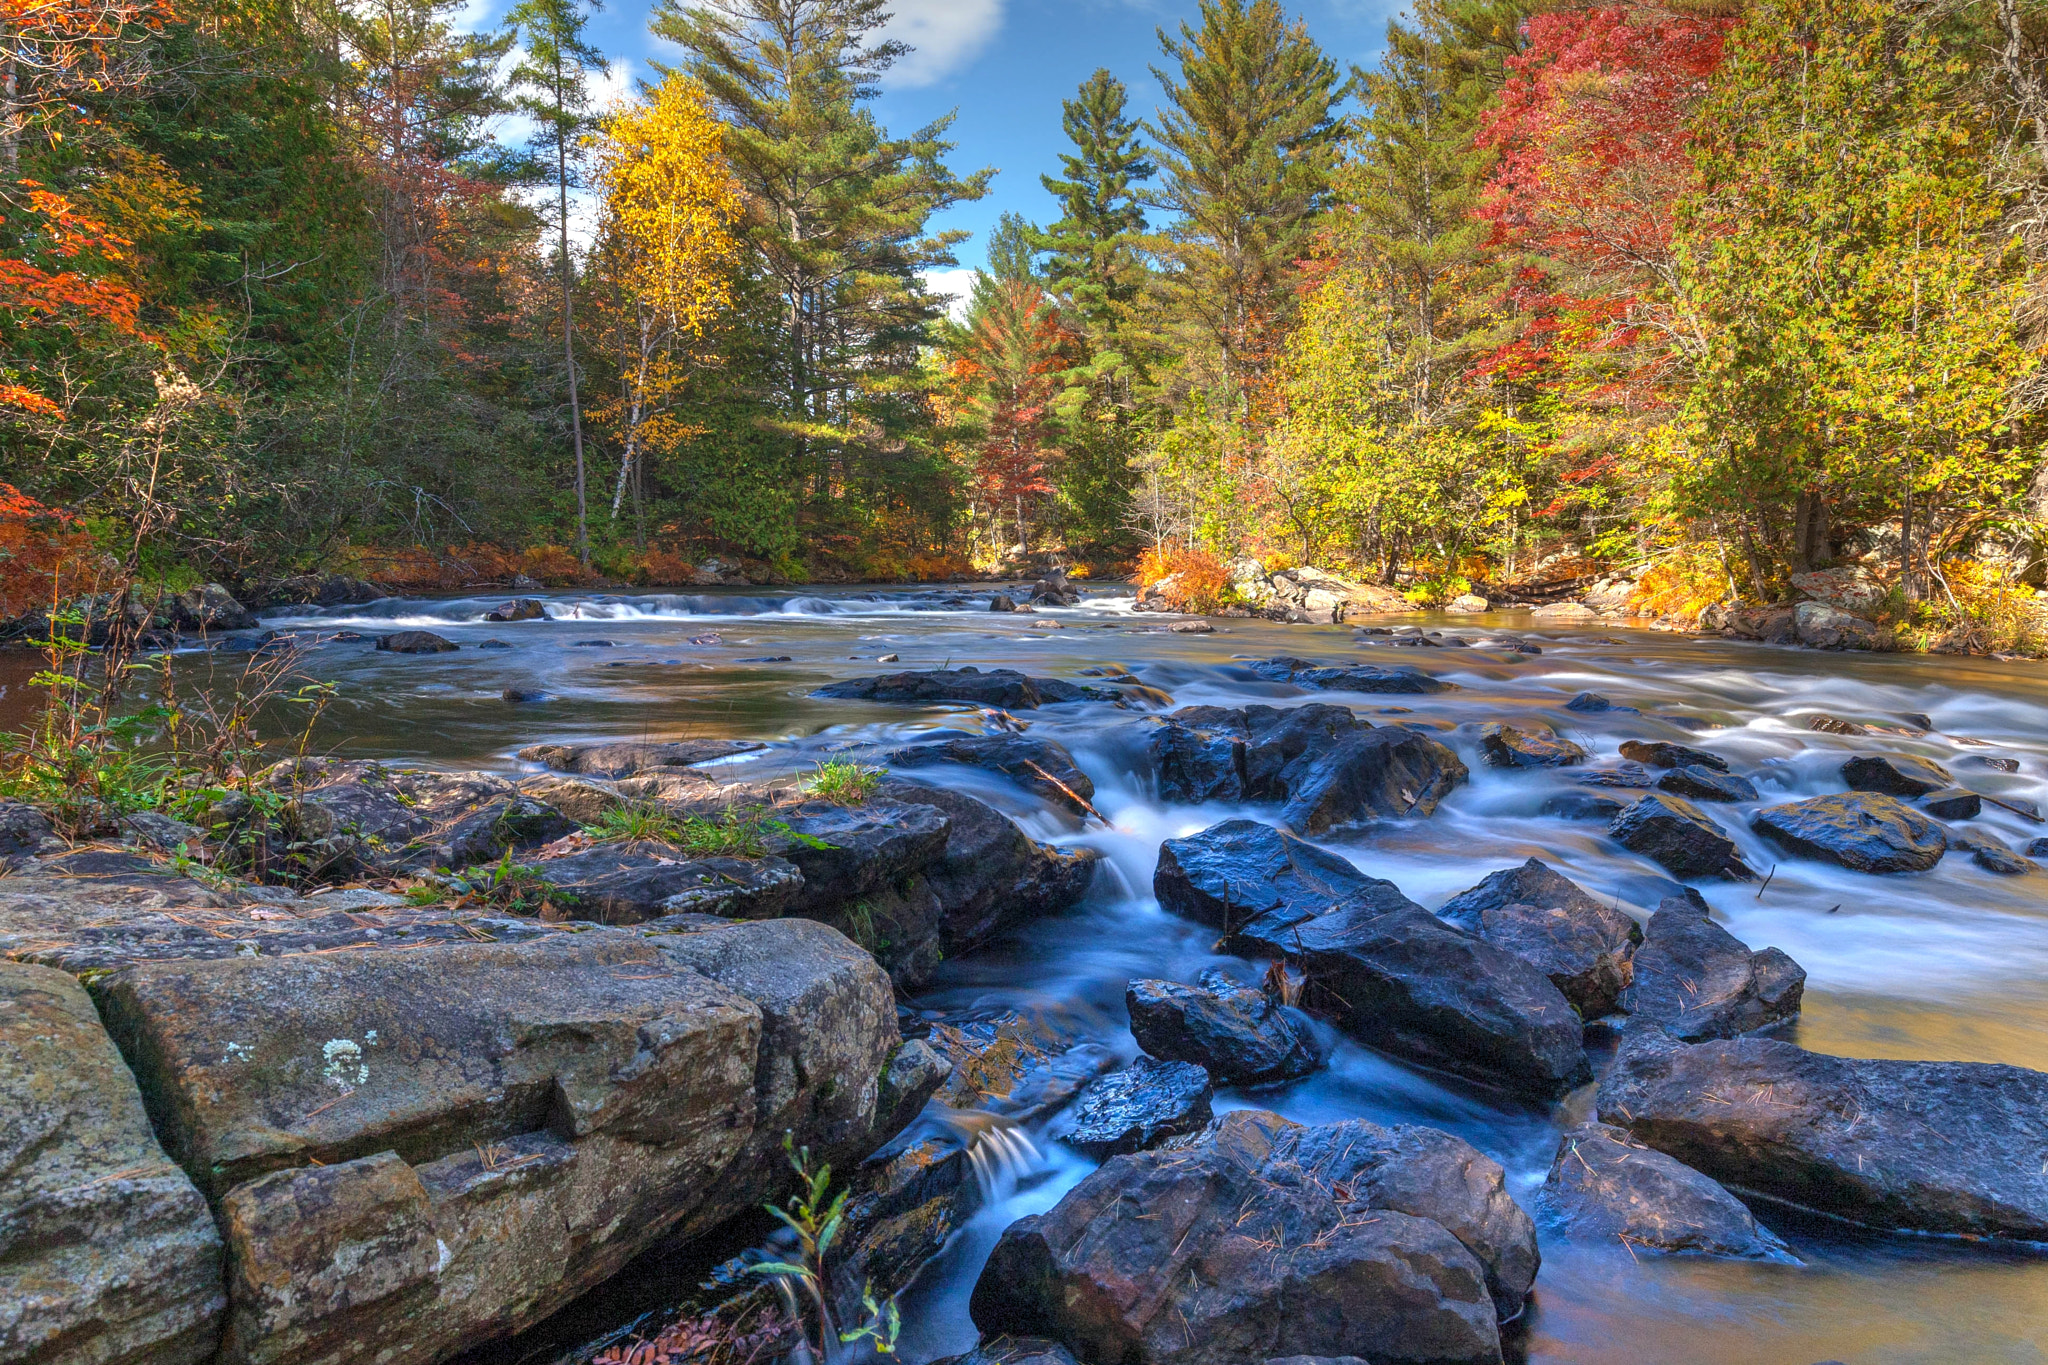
<point>1708,293</point>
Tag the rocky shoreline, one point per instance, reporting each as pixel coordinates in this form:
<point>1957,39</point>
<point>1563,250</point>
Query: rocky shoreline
<point>337,1122</point>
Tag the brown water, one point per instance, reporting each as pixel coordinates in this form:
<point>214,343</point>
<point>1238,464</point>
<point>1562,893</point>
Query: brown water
<point>1949,964</point>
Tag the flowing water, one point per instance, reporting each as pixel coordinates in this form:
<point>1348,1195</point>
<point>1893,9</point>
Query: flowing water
<point>1949,964</point>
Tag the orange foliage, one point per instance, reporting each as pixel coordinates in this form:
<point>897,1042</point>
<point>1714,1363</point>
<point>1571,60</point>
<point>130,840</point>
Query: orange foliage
<point>1199,581</point>
<point>44,553</point>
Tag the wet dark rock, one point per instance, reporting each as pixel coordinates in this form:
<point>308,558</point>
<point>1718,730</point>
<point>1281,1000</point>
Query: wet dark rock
<point>2003,765</point>
<point>1605,1184</point>
<point>1197,754</point>
<point>415,642</point>
<point>1055,591</point>
<point>1704,784</point>
<point>485,644</point>
<point>1953,803</point>
<point>631,882</point>
<point>765,659</point>
<point>1989,853</point>
<point>2038,848</point>
<point>1673,832</point>
<point>1404,981</point>
<point>1945,1147</point>
<point>522,695</point>
<point>1000,687</point>
<point>1041,766</point>
<point>1582,806</point>
<point>1233,873</point>
<point>627,758</point>
<point>1139,1107</point>
<point>1862,831</point>
<point>1664,754</point>
<point>1506,746</point>
<point>1895,775</point>
<point>1402,1242</point>
<point>594,644</point>
<point>519,609</point>
<point>1593,703</point>
<point>1627,777</point>
<point>1013,1351</point>
<point>1001,602</point>
<point>1236,1033</point>
<point>110,1254</point>
<point>1020,1067</point>
<point>1307,673</point>
<point>1695,980</point>
<point>1546,919</point>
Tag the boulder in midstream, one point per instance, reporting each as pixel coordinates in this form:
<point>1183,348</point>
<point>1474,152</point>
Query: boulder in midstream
<point>1584,947</point>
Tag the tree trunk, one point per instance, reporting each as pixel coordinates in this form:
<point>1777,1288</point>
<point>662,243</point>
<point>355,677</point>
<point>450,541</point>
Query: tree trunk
<point>1810,530</point>
<point>569,343</point>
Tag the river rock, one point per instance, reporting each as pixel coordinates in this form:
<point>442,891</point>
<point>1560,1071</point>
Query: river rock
<point>1019,1067</point>
<point>1700,783</point>
<point>1307,673</point>
<point>1001,602</point>
<point>22,828</point>
<point>1944,1147</point>
<point>1216,1250</point>
<point>1895,775</point>
<point>416,1151</point>
<point>107,1252</point>
<point>1953,803</point>
<point>1404,981</point>
<point>625,758</point>
<point>999,687</point>
<point>1592,703</point>
<point>1139,1107</point>
<point>1240,870</point>
<point>1584,947</point>
<point>210,607</point>
<point>509,823</point>
<point>1862,831</point>
<point>1821,626</point>
<point>582,801</point>
<point>415,642</point>
<point>1605,1184</point>
<point>1197,754</point>
<point>1013,1351</point>
<point>518,609</point>
<point>1236,1033</point>
<point>1582,806</point>
<point>1988,853</point>
<point>1041,766</point>
<point>1675,833</point>
<point>1660,753</point>
<point>1505,746</point>
<point>347,818</point>
<point>634,881</point>
<point>1695,980</point>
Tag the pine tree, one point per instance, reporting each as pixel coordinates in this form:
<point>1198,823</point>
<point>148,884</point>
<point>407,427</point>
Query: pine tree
<point>553,85</point>
<point>1247,141</point>
<point>1094,260</point>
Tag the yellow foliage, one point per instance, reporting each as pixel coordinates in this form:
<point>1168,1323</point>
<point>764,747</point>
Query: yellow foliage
<point>1682,584</point>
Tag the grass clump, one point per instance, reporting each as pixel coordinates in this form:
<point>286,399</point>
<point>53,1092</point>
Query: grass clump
<point>634,823</point>
<point>844,783</point>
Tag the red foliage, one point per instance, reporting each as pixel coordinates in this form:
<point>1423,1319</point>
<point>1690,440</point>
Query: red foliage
<point>44,554</point>
<point>1592,133</point>
<point>1010,363</point>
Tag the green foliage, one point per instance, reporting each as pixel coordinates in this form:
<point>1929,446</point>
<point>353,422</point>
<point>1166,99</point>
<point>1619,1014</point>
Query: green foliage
<point>844,783</point>
<point>635,821</point>
<point>815,1221</point>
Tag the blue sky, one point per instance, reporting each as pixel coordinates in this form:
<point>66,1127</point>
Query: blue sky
<point>1005,65</point>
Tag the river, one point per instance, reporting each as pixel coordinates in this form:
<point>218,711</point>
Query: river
<point>1950,964</point>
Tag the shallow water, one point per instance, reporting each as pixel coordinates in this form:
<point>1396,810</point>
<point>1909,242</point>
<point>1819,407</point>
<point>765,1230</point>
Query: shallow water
<point>1950,964</point>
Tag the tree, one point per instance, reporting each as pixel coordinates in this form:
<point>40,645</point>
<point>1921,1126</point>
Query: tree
<point>666,251</point>
<point>1094,261</point>
<point>553,85</point>
<point>1246,141</point>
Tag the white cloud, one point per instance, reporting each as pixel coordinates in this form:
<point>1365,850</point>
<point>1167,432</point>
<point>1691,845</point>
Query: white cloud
<point>948,34</point>
<point>956,285</point>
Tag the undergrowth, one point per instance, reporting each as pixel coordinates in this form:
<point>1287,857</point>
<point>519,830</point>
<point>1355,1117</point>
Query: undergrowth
<point>844,783</point>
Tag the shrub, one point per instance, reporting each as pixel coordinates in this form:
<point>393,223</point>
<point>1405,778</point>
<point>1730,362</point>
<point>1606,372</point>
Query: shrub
<point>1192,580</point>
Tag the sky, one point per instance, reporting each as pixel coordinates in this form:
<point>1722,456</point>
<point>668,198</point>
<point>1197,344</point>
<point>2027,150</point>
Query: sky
<point>1001,67</point>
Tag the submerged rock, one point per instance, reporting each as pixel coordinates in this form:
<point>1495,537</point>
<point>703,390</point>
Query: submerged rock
<point>1593,703</point>
<point>1404,981</point>
<point>1663,754</point>
<point>1238,1034</point>
<point>1307,673</point>
<point>1605,1184</point>
<point>1862,831</point>
<point>1953,803</point>
<point>1508,747</point>
<point>1582,806</point>
<point>1000,687</point>
<point>107,1252</point>
<point>1141,1106</point>
<point>1921,1146</point>
<point>1584,947</point>
<point>1404,1242</point>
<point>1675,833</point>
<point>1695,980</point>
<point>1241,870</point>
<point>1701,783</point>
<point>1041,766</point>
<point>1895,775</point>
<point>415,642</point>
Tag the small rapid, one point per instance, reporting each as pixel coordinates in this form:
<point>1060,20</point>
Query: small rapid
<point>1949,964</point>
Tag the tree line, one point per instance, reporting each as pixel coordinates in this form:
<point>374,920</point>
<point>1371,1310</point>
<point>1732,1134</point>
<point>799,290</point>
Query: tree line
<point>1738,289</point>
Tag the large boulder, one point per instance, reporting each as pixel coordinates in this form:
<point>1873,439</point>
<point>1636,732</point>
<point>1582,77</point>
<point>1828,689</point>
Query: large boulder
<point>1403,981</point>
<point>1824,627</point>
<point>1605,1184</point>
<point>1943,1147</point>
<point>1040,766</point>
<point>1895,774</point>
<point>416,642</point>
<point>1263,1239</point>
<point>1239,1035</point>
<point>1584,947</point>
<point>1004,688</point>
<point>355,818</point>
<point>1197,754</point>
<point>1239,871</point>
<point>1506,746</point>
<point>1672,831</point>
<point>210,607</point>
<point>1695,980</point>
<point>1308,673</point>
<point>1699,783</point>
<point>1862,831</point>
<point>416,1150</point>
<point>1141,1106</point>
<point>107,1253</point>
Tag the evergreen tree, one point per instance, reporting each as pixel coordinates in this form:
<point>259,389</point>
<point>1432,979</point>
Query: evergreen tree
<point>1247,141</point>
<point>1094,260</point>
<point>552,82</point>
